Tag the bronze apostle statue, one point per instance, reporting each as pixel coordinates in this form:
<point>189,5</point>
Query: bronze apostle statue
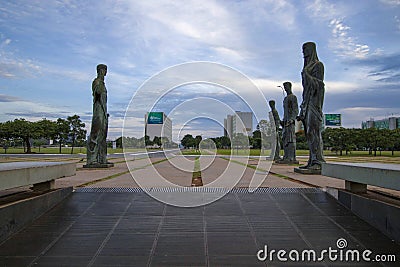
<point>311,106</point>
<point>277,122</point>
<point>290,113</point>
<point>97,145</point>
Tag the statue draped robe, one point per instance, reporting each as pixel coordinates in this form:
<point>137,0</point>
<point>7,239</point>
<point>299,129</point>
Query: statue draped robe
<point>290,112</point>
<point>97,146</point>
<point>311,109</point>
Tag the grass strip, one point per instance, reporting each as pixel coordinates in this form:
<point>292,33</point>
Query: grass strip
<point>196,177</point>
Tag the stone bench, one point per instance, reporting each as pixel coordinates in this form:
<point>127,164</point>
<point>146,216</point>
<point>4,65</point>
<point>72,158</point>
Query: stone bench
<point>358,175</point>
<point>41,175</point>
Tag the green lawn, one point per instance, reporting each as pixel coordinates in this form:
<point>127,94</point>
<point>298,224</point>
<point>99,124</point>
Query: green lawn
<point>190,152</point>
<point>256,152</point>
<point>251,152</point>
<point>55,150</point>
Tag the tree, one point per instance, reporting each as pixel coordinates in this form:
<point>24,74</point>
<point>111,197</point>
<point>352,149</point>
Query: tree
<point>240,140</point>
<point>188,141</point>
<point>147,141</point>
<point>335,139</point>
<point>222,142</point>
<point>372,139</point>
<point>388,140</point>
<point>25,130</point>
<point>61,132</point>
<point>207,144</point>
<point>396,135</point>
<point>77,131</point>
<point>5,135</point>
<point>255,141</point>
<point>157,141</point>
<point>46,130</point>
<point>225,142</point>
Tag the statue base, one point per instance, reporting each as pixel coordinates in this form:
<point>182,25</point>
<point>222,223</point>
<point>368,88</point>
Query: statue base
<point>98,165</point>
<point>307,171</point>
<point>284,161</point>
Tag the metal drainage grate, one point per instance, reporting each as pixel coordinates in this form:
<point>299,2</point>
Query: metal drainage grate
<point>108,190</point>
<point>242,190</point>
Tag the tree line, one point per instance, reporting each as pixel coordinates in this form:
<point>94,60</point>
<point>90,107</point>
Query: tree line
<point>64,131</point>
<point>346,140</point>
<point>133,142</point>
<point>338,140</point>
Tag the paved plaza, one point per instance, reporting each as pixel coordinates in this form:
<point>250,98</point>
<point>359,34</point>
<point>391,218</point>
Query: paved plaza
<point>93,228</point>
<point>110,221</point>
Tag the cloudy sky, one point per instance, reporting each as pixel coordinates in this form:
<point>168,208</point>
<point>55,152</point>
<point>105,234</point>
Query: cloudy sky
<point>49,51</point>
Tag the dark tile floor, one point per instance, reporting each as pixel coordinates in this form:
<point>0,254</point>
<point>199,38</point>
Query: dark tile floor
<point>132,229</point>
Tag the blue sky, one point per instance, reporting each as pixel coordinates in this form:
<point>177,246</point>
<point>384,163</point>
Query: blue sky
<point>50,49</point>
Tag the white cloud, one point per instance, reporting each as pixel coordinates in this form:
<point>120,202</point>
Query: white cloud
<point>5,42</point>
<point>391,2</point>
<point>345,44</point>
<point>277,13</point>
<point>342,42</point>
<point>12,66</point>
<point>339,87</point>
<point>322,9</point>
<point>231,54</point>
<point>29,110</point>
<point>397,21</point>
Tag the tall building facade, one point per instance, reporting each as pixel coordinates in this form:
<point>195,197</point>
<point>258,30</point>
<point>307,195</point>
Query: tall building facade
<point>240,122</point>
<point>390,123</point>
<point>158,124</point>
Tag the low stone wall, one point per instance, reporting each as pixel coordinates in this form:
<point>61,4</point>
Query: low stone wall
<point>16,215</point>
<point>383,216</point>
<point>16,174</point>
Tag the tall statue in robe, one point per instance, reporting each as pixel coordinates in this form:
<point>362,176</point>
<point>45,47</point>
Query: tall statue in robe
<point>290,113</point>
<point>277,122</point>
<point>311,106</point>
<point>97,145</point>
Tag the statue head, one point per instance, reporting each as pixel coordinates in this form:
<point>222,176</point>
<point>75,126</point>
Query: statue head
<point>272,104</point>
<point>309,53</point>
<point>288,87</point>
<point>102,69</point>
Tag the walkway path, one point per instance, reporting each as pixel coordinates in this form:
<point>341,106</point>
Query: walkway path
<point>132,229</point>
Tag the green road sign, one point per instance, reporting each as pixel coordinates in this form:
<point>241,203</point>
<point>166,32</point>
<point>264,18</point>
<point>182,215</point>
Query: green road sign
<point>155,118</point>
<point>333,119</point>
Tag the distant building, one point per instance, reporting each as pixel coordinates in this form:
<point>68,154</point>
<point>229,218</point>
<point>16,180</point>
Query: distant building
<point>240,122</point>
<point>390,123</point>
<point>158,124</point>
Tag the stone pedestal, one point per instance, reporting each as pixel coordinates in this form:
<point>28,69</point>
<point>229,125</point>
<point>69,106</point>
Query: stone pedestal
<point>307,171</point>
<point>98,165</point>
